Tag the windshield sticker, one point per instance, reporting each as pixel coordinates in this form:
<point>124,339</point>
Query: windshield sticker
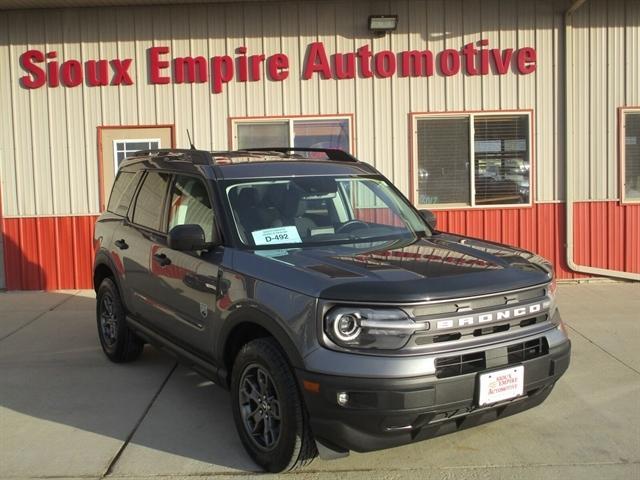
<point>277,235</point>
<point>323,231</point>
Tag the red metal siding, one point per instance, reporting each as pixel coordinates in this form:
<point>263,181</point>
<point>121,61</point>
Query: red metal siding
<point>632,245</point>
<point>539,229</point>
<point>378,215</point>
<point>51,253</point>
<point>48,253</point>
<point>606,234</point>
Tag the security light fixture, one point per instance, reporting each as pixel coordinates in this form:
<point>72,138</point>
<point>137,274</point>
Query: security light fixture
<point>381,24</point>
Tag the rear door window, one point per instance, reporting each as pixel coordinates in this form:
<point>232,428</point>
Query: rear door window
<point>150,201</point>
<point>122,193</point>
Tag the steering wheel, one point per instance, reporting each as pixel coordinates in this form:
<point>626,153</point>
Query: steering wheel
<point>348,226</point>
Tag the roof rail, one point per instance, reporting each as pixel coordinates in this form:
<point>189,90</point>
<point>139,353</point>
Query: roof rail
<point>331,153</point>
<point>199,157</point>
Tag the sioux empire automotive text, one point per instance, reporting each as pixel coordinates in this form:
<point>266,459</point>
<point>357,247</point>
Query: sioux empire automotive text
<point>476,58</point>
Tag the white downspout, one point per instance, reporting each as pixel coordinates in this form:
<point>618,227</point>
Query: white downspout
<point>569,102</point>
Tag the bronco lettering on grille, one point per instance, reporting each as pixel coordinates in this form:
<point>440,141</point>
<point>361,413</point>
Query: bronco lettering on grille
<point>471,320</point>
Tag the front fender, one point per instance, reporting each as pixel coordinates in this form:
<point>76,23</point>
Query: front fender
<point>252,313</point>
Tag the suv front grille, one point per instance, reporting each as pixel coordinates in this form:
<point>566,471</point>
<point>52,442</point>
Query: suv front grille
<point>476,362</point>
<point>427,338</point>
<point>460,365</point>
<point>527,350</point>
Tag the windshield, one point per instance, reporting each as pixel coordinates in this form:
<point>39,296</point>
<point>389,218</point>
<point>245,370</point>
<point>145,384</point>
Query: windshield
<point>319,210</point>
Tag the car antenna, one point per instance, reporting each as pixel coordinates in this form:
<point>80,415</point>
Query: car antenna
<point>193,147</point>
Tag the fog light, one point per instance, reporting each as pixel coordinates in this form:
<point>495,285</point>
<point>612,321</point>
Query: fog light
<point>343,398</point>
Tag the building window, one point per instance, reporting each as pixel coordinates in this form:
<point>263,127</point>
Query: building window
<point>302,132</point>
<point>473,159</point>
<point>125,148</point>
<point>630,149</point>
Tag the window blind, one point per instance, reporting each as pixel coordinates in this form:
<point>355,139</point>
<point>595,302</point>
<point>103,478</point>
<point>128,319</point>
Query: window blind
<point>632,155</point>
<point>443,160</point>
<point>501,163</point>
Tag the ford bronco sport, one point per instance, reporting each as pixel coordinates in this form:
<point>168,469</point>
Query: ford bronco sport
<point>336,314</point>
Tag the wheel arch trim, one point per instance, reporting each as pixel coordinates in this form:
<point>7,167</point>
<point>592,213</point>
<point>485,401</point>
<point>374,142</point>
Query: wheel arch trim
<point>252,315</point>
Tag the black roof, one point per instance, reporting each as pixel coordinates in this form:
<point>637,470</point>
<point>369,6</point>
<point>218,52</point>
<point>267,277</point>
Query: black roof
<point>252,163</point>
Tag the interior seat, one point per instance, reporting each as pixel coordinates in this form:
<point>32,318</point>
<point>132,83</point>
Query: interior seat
<point>293,212</point>
<point>245,206</point>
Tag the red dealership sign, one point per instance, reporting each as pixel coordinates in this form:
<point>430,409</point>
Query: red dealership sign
<point>46,69</point>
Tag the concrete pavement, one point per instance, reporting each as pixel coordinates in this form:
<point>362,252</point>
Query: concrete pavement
<point>67,412</point>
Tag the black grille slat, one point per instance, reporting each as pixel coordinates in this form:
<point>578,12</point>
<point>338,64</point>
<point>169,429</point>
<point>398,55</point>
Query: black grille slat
<point>446,337</point>
<point>527,350</point>
<point>460,364</point>
<point>429,337</point>
<point>489,330</point>
<point>475,362</point>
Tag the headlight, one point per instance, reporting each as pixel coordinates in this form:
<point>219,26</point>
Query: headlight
<point>369,328</point>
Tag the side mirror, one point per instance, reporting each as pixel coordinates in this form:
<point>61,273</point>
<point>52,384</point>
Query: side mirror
<point>429,217</point>
<point>186,238</point>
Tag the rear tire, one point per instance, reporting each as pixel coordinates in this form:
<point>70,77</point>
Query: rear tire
<point>268,410</point>
<point>119,343</point>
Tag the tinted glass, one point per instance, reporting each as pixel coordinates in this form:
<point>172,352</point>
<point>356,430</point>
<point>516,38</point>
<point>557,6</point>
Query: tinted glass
<point>501,145</point>
<point>308,211</point>
<point>257,135</point>
<point>122,192</point>
<point>150,201</point>
<point>322,134</point>
<point>190,205</point>
<point>632,156</point>
<point>443,161</point>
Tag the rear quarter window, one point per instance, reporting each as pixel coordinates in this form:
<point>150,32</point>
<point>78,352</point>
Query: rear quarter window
<point>150,201</point>
<point>122,192</point>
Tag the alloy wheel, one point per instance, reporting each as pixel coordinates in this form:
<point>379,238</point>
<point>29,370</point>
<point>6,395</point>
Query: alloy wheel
<point>108,320</point>
<point>260,407</point>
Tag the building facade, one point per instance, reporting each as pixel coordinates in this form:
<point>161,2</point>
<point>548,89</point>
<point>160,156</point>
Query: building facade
<point>516,121</point>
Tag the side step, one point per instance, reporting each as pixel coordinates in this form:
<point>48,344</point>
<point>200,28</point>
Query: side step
<point>200,365</point>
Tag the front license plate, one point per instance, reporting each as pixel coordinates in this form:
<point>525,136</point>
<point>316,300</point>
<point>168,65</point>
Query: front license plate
<point>501,385</point>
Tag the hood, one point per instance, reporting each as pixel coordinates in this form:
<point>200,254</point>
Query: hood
<point>438,267</point>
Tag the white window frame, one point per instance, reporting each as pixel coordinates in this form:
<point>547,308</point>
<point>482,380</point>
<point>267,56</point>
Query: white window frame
<point>129,140</point>
<point>290,120</point>
<point>621,149</point>
<point>472,154</point>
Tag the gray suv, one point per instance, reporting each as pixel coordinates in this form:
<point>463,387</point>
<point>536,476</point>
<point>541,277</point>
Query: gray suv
<point>336,314</point>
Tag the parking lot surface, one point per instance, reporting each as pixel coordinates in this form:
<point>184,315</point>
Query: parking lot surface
<point>67,412</point>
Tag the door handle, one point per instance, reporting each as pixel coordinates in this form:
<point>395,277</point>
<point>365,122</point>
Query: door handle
<point>162,259</point>
<point>121,244</point>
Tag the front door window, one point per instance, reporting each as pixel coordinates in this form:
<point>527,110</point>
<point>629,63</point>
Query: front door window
<point>190,205</point>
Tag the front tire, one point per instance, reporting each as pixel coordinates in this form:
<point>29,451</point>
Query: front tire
<point>119,343</point>
<point>268,410</point>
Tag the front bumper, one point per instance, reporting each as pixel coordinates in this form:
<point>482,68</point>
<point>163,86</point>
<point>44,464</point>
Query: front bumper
<point>388,412</point>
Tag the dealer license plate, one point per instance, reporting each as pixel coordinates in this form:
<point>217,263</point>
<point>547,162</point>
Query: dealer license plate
<point>501,385</point>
